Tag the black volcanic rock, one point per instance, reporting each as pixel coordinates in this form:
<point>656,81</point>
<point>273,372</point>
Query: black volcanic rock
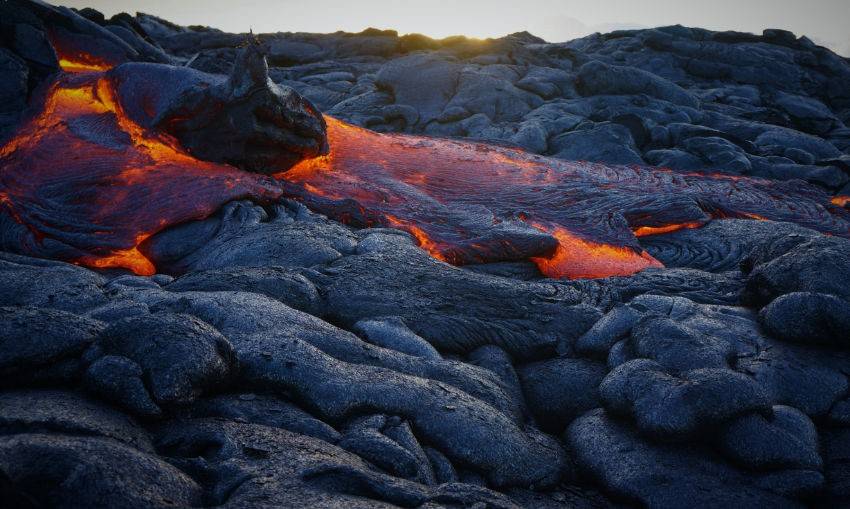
<point>37,342</point>
<point>68,413</point>
<point>787,439</point>
<point>598,78</point>
<point>180,356</point>
<point>91,471</point>
<point>245,120</point>
<point>798,264</point>
<point>662,475</point>
<point>559,390</point>
<point>809,318</point>
<point>671,407</point>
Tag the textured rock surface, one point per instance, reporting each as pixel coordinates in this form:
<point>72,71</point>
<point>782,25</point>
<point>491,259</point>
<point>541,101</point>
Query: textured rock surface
<point>295,361</point>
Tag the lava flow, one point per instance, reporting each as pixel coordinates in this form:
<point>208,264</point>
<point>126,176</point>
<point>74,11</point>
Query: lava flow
<point>470,202</point>
<point>86,184</point>
<point>81,181</point>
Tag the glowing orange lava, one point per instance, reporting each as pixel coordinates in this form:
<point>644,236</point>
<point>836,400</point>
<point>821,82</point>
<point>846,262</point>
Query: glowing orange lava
<point>644,231</point>
<point>579,258</point>
<point>81,66</point>
<point>841,201</point>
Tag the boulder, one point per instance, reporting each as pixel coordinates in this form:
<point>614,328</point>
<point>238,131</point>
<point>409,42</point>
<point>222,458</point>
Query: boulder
<point>605,143</point>
<point>598,78</point>
<point>424,81</point>
<point>42,343</point>
<point>662,475</point>
<point>669,407</point>
<point>180,356</point>
<point>786,440</point>
<point>57,470</point>
<point>245,120</point>
<point>809,318</point>
<point>559,390</point>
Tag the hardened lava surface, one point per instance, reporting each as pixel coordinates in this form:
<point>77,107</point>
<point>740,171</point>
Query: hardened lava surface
<point>611,272</point>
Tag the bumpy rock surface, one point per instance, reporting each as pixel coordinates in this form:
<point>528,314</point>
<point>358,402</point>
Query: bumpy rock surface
<point>284,359</point>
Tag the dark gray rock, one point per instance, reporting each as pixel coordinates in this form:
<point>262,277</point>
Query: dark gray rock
<point>266,410</point>
<point>819,148</point>
<point>559,390</point>
<point>809,318</point>
<point>28,281</point>
<point>605,142</point>
<point>454,310</point>
<point>837,465</point>
<point>425,82</point>
<point>69,413</point>
<point>119,380</point>
<point>285,285</point>
<point>718,154</point>
<point>678,347</point>
<point>492,95</point>
<point>250,462</point>
<point>679,407</point>
<point>276,126</point>
<point>661,475</point>
<point>719,246</point>
<point>498,361</point>
<point>14,91</point>
<point>333,373</point>
<point>392,333</point>
<point>598,78</point>
<point>286,53</point>
<point>787,440</point>
<point>614,326</point>
<point>181,357</point>
<point>798,264</point>
<point>33,341</point>
<point>807,113</point>
<point>243,234</point>
<point>811,380</point>
<point>70,471</point>
<point>382,451</point>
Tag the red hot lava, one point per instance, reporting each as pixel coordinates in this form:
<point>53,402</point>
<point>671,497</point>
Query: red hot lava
<point>85,183</point>
<point>470,202</point>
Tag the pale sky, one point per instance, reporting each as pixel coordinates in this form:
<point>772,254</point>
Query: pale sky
<point>826,22</point>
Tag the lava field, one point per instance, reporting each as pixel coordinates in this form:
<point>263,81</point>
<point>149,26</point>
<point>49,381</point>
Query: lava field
<point>372,270</point>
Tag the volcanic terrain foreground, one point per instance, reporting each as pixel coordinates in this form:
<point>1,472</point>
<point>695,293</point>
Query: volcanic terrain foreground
<point>611,272</point>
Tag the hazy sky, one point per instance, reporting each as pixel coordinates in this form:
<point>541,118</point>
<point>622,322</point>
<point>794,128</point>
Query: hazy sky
<point>825,21</point>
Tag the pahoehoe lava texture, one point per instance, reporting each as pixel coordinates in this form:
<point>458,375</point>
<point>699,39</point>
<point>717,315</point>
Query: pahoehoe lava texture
<point>232,334</point>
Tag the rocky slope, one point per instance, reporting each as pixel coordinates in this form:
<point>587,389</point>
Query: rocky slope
<point>287,360</point>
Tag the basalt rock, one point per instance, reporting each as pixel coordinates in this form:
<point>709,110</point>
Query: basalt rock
<point>245,120</point>
<point>179,356</point>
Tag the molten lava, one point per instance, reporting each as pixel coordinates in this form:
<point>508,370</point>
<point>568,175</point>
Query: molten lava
<point>81,181</point>
<point>841,201</point>
<point>89,185</point>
